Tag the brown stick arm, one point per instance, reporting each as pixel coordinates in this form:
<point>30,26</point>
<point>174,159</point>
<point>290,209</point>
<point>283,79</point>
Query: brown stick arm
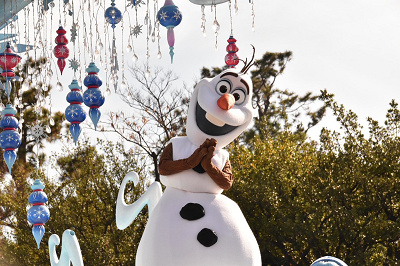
<point>168,166</point>
<point>223,178</point>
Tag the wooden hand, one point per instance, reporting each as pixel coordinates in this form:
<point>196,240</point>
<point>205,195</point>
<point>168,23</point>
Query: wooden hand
<point>168,166</point>
<point>223,178</point>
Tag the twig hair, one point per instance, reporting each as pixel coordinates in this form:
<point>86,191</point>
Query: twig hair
<point>250,64</point>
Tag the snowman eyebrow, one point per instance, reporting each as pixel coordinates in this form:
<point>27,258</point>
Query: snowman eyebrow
<point>247,85</point>
<point>229,73</point>
<point>236,75</point>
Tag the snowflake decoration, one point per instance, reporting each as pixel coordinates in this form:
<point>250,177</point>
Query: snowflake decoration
<point>73,64</point>
<point>163,16</point>
<point>177,15</point>
<point>62,50</point>
<point>74,111</point>
<point>138,3</point>
<point>136,30</point>
<point>91,96</point>
<point>74,32</point>
<point>3,59</point>
<point>37,132</point>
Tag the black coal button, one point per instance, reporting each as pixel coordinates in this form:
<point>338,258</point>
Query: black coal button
<point>192,211</point>
<point>207,237</point>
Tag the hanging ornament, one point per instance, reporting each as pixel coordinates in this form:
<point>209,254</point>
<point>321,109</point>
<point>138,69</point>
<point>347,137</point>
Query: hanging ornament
<point>10,139</point>
<point>113,15</point>
<point>74,112</point>
<point>8,60</point>
<point>61,51</point>
<point>93,97</point>
<point>169,16</point>
<point>231,59</point>
<point>38,214</point>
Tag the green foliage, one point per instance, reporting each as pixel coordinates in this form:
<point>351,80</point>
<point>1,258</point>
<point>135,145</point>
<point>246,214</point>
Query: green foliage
<point>338,197</point>
<point>85,202</point>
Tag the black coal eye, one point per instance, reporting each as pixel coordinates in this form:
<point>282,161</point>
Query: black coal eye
<point>240,95</point>
<point>223,89</point>
<point>224,86</point>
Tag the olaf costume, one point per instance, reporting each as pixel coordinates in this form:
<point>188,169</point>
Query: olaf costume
<point>193,224</point>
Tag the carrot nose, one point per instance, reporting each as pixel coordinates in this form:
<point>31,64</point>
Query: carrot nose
<point>226,101</point>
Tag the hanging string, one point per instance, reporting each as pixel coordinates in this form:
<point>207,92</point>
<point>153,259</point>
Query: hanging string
<point>230,16</point>
<point>135,57</point>
<point>236,8</point>
<point>153,34</point>
<point>253,14</point>
<point>148,23</point>
<point>216,27</point>
<point>203,21</point>
<point>73,23</point>
<point>78,39</point>
<point>159,55</point>
<point>123,83</point>
<point>59,13</point>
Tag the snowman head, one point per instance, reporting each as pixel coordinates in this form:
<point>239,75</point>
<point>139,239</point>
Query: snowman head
<point>220,108</point>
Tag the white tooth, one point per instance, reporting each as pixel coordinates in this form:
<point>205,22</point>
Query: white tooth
<point>214,120</point>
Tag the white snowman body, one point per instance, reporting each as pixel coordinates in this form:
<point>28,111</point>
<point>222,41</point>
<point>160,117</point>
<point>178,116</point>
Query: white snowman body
<point>170,240</point>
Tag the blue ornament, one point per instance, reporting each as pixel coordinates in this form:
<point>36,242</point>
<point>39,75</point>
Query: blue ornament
<point>38,214</point>
<point>169,16</point>
<point>10,139</point>
<point>74,112</point>
<point>113,15</point>
<point>93,97</point>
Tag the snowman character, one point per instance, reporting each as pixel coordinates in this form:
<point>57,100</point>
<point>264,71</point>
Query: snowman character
<point>193,224</point>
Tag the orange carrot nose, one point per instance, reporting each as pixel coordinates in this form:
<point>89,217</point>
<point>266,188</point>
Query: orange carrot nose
<point>226,101</point>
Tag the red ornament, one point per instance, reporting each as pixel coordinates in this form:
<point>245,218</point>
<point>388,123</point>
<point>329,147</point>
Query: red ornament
<point>61,51</point>
<point>231,59</point>
<point>8,60</point>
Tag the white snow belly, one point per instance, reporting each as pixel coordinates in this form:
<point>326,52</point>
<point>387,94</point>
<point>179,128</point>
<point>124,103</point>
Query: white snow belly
<point>170,240</point>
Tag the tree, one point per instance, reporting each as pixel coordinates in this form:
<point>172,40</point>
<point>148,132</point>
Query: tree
<point>83,201</point>
<point>338,197</point>
<point>159,112</point>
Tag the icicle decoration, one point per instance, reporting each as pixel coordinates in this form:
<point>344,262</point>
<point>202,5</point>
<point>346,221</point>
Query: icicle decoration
<point>253,15</point>
<point>10,139</point>
<point>203,21</point>
<point>169,16</point>
<point>38,214</point>
<point>61,51</point>
<point>231,59</point>
<point>8,60</point>
<point>74,112</point>
<point>216,27</point>
<point>93,97</point>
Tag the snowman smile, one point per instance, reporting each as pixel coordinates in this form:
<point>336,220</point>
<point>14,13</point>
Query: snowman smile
<point>214,120</point>
<point>211,125</point>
